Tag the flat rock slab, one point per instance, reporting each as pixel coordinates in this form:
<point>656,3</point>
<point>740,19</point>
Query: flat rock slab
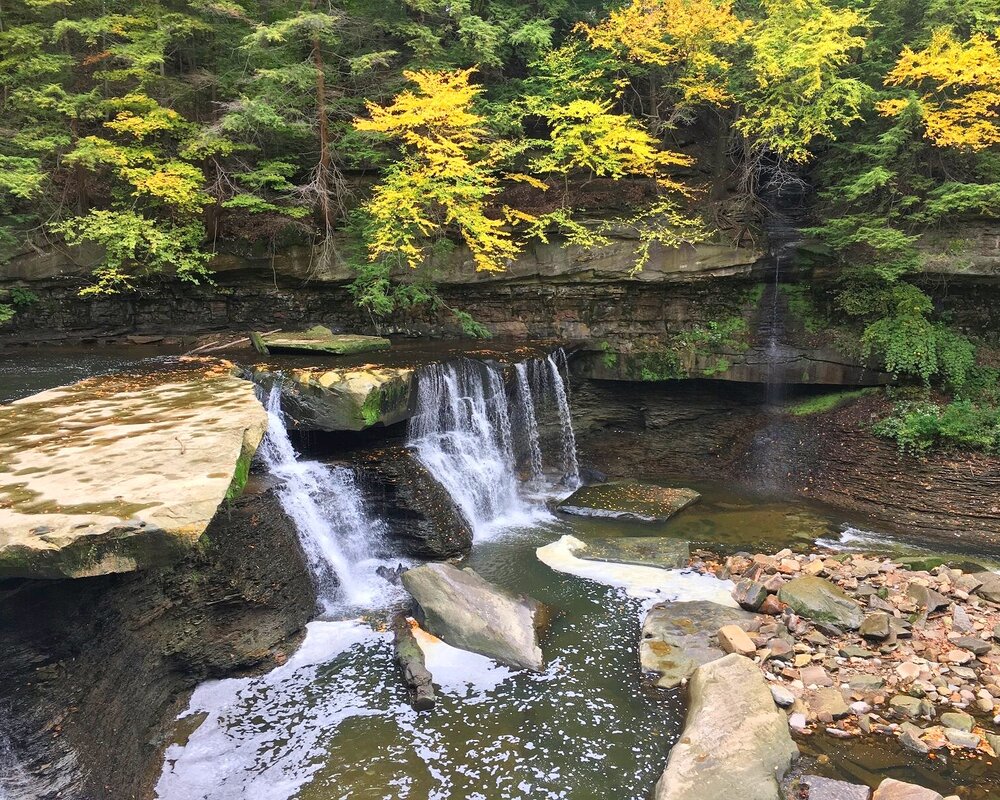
<point>650,551</point>
<point>317,339</point>
<point>471,613</point>
<point>679,637</point>
<point>891,789</point>
<point>628,500</point>
<point>821,601</point>
<point>350,399</point>
<point>735,742</point>
<point>122,472</point>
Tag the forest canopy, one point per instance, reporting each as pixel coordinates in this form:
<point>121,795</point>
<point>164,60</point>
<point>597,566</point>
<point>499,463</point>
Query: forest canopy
<point>385,134</point>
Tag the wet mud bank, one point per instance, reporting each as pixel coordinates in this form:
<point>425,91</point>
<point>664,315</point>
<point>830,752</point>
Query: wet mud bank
<point>95,670</point>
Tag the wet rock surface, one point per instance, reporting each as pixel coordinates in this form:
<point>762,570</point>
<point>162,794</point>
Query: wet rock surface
<point>628,500</point>
<point>340,399</point>
<point>735,743</point>
<point>96,670</point>
<point>678,637</point>
<point>468,612</point>
<point>652,551</point>
<point>121,472</point>
<point>418,512</point>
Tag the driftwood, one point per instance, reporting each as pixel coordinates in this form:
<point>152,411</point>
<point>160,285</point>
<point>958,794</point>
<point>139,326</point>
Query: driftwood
<point>410,658</point>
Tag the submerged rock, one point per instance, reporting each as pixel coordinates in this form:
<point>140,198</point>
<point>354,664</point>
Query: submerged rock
<point>818,599</point>
<point>317,339</point>
<point>650,551</point>
<point>121,472</point>
<point>349,399</point>
<point>628,500</point>
<point>679,637</point>
<point>735,742</point>
<point>470,613</point>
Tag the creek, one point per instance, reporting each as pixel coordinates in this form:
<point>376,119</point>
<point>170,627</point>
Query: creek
<point>334,722</point>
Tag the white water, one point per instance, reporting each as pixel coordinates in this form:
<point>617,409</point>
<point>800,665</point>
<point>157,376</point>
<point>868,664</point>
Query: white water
<point>571,469</point>
<point>342,542</point>
<point>529,422</point>
<point>462,433</point>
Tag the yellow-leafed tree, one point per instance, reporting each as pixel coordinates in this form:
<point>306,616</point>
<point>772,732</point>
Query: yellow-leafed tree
<point>685,37</point>
<point>959,85</point>
<point>445,178</point>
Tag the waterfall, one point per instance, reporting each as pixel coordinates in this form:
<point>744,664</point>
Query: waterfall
<point>528,420</point>
<point>340,539</point>
<point>462,433</point>
<point>571,469</point>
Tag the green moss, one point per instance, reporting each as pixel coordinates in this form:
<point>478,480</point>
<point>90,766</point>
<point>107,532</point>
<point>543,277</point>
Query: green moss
<point>240,476</point>
<point>610,357</point>
<point>826,402</point>
<point>802,307</point>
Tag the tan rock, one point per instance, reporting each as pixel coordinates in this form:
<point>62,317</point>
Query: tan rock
<point>118,473</point>
<point>733,639</point>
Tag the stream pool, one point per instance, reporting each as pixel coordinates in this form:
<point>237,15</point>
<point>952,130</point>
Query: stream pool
<point>334,722</point>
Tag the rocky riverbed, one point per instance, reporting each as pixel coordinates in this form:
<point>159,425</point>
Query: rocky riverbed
<point>857,646</point>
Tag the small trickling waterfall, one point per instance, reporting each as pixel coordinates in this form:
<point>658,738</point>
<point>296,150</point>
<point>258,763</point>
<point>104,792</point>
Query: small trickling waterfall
<point>463,434</point>
<point>342,542</point>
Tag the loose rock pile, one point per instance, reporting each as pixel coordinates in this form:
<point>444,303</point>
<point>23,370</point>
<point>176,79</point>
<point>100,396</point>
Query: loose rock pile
<point>858,645</point>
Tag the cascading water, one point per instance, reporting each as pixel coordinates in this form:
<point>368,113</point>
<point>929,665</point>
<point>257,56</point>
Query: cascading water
<point>528,420</point>
<point>571,468</point>
<point>342,542</point>
<point>462,434</point>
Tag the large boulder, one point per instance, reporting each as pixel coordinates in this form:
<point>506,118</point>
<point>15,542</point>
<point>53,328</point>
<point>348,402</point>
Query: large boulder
<point>122,472</point>
<point>345,399</point>
<point>628,500</point>
<point>418,511</point>
<point>819,600</point>
<point>468,612</point>
<point>317,339</point>
<point>735,742</point>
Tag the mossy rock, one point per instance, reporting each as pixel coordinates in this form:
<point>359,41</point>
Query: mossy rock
<point>628,500</point>
<point>317,339</point>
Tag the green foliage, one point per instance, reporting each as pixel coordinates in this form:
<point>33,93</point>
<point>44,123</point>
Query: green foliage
<point>822,403</point>
<point>136,245</point>
<point>917,427</point>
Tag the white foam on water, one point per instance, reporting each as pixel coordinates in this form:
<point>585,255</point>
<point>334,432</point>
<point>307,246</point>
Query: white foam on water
<point>640,582</point>
<point>230,756</point>
<point>460,672</point>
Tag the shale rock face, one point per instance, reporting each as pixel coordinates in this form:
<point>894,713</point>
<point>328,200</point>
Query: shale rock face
<point>122,472</point>
<point>108,661</point>
<point>470,613</point>
<point>735,742</point>
<point>418,511</point>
